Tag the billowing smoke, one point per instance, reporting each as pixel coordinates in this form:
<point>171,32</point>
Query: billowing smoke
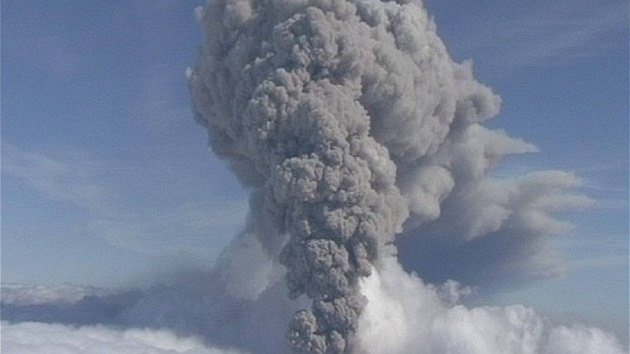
<point>347,118</point>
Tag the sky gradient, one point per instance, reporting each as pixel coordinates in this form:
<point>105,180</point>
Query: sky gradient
<point>108,181</point>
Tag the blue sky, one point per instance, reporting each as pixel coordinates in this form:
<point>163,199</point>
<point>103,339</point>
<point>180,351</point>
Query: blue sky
<point>107,180</point>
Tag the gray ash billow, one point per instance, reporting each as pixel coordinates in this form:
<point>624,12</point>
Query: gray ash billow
<point>343,116</point>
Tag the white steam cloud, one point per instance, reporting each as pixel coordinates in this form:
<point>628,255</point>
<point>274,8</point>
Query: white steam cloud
<point>406,315</point>
<point>364,146</point>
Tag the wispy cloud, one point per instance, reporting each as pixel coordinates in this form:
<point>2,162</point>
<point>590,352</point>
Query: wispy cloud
<point>193,226</point>
<point>606,261</point>
<point>603,251</point>
<point>555,34</point>
<point>74,184</point>
<point>561,34</point>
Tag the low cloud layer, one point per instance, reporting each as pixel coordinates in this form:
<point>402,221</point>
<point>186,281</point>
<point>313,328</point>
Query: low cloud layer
<point>30,337</point>
<point>404,315</point>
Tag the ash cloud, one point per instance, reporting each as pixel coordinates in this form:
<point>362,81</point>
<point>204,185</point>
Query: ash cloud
<point>351,124</point>
<point>494,233</point>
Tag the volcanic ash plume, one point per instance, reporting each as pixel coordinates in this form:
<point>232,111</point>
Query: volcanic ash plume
<point>343,117</point>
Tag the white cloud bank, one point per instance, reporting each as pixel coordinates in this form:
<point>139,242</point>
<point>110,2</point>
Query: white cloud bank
<point>20,295</point>
<point>405,315</point>
<point>30,337</point>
